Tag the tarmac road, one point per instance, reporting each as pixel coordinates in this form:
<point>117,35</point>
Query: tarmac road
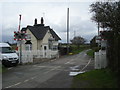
<point>50,74</point>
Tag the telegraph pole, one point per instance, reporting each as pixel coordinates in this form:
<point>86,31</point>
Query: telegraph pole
<point>98,28</point>
<point>67,30</point>
<point>20,41</point>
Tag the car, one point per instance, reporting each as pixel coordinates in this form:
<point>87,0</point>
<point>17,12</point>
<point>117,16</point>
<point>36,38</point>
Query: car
<point>8,57</point>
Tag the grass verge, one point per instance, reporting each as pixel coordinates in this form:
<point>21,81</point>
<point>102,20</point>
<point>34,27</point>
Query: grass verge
<point>91,53</point>
<point>2,69</point>
<point>102,78</point>
<point>76,50</point>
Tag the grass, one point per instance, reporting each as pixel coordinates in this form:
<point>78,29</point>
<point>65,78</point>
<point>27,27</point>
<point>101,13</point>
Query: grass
<point>102,78</point>
<point>2,69</point>
<point>76,50</point>
<point>91,53</point>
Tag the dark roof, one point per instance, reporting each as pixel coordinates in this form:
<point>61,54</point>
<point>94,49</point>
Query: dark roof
<point>54,35</point>
<point>40,30</point>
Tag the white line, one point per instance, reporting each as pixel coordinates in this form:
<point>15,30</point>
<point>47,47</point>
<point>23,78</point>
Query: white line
<point>41,66</point>
<point>33,77</point>
<point>13,85</point>
<point>55,68</point>
<point>53,60</point>
<point>67,62</point>
<point>17,83</point>
<point>10,68</point>
<point>26,80</point>
<point>9,86</point>
<point>86,65</point>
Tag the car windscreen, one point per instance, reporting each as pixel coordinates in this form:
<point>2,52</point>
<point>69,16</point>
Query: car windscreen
<point>6,50</point>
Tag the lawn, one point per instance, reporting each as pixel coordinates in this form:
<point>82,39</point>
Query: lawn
<point>102,78</point>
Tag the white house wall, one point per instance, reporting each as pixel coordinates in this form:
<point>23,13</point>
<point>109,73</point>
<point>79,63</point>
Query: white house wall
<point>45,39</point>
<point>39,44</point>
<point>55,43</point>
<point>33,40</point>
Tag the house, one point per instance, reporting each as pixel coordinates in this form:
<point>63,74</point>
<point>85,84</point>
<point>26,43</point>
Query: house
<point>40,38</point>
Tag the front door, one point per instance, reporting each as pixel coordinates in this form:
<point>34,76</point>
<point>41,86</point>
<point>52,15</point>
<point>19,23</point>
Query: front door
<point>45,51</point>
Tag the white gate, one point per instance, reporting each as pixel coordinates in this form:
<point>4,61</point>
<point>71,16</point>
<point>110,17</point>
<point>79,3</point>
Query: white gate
<point>100,59</point>
<point>28,56</point>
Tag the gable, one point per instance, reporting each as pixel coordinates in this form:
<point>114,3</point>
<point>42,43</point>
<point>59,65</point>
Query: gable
<point>55,35</point>
<point>40,31</point>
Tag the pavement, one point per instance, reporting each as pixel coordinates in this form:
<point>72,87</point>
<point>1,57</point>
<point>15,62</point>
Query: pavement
<point>50,74</point>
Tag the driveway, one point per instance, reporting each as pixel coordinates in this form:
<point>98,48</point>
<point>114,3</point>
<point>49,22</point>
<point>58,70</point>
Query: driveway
<point>51,74</point>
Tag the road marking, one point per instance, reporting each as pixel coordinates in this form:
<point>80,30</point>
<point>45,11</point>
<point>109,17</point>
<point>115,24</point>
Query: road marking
<point>17,83</point>
<point>69,61</point>
<point>10,68</point>
<point>26,80</point>
<point>13,85</point>
<point>33,77</point>
<point>53,60</point>
<point>55,68</point>
<point>85,54</point>
<point>86,65</point>
<point>41,66</point>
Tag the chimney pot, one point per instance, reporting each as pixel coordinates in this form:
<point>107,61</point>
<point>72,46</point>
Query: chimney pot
<point>35,21</point>
<point>42,21</point>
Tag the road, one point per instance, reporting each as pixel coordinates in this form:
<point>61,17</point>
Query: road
<point>50,74</point>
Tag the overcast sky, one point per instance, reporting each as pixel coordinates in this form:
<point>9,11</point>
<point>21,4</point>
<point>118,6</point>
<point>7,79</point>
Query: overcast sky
<point>54,13</point>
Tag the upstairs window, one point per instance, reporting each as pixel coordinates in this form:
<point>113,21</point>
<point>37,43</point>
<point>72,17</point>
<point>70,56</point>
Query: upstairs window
<point>28,36</point>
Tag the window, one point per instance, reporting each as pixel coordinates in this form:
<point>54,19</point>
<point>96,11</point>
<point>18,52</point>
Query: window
<point>50,44</point>
<point>6,50</point>
<point>55,47</point>
<point>29,36</point>
<point>28,47</point>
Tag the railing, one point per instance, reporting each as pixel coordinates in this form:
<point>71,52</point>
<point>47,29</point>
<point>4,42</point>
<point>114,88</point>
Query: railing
<point>28,56</point>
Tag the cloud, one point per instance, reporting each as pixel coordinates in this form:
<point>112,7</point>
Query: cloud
<point>55,16</point>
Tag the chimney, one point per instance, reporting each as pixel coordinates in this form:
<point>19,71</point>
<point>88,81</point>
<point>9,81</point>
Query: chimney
<point>35,22</point>
<point>42,21</point>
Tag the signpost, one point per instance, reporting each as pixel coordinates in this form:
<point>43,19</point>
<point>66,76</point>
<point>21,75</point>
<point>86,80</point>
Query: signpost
<point>19,36</point>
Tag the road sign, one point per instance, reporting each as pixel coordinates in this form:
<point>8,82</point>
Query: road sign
<point>20,35</point>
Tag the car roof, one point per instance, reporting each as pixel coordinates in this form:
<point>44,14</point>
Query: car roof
<point>4,45</point>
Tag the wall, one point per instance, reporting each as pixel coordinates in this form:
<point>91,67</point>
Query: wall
<point>45,39</point>
<point>33,40</point>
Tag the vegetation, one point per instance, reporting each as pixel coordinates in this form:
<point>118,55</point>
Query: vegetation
<point>102,78</point>
<point>78,41</point>
<point>2,69</point>
<point>91,53</point>
<point>76,50</point>
<point>107,16</point>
